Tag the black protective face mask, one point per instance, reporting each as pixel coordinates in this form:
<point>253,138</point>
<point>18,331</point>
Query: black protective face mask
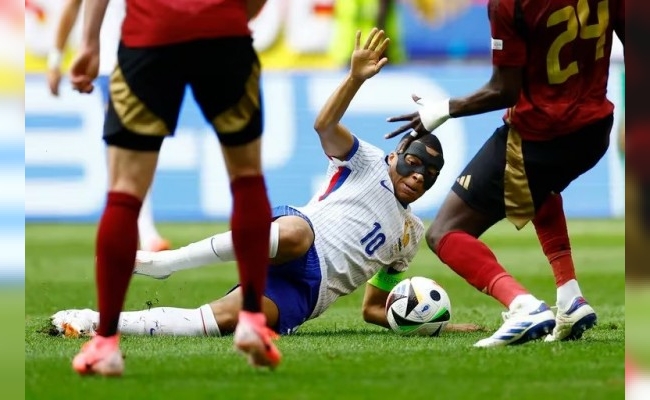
<point>419,150</point>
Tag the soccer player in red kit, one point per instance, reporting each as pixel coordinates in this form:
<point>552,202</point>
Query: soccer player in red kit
<point>551,66</point>
<point>165,46</point>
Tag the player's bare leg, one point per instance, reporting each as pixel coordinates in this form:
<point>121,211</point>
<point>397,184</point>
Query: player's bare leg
<point>453,236</point>
<point>290,237</point>
<point>130,176</point>
<point>250,225</point>
<point>574,314</point>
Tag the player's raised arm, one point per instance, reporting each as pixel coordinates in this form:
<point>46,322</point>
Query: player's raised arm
<point>366,61</point>
<point>501,91</point>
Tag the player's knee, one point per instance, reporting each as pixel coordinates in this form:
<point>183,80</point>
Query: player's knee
<point>225,315</point>
<point>244,160</point>
<point>131,171</point>
<point>433,236</point>
<point>296,237</point>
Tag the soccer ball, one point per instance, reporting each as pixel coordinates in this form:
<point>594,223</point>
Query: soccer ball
<point>418,306</point>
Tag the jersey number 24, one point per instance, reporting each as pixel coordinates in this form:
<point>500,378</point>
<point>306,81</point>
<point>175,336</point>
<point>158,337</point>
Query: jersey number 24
<point>576,19</point>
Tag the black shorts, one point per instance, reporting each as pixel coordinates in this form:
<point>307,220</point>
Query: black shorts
<point>148,85</point>
<point>511,178</point>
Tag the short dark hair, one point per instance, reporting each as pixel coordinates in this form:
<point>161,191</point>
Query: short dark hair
<point>430,140</point>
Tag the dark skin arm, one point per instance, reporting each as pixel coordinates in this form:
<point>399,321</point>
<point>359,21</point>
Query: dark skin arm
<point>501,91</point>
<point>374,311</point>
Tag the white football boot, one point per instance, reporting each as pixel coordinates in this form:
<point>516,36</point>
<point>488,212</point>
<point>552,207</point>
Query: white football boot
<point>572,322</point>
<point>523,323</point>
<point>149,263</point>
<point>75,323</point>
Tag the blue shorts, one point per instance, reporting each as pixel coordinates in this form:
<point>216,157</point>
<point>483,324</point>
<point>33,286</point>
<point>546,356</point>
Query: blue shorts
<point>294,286</point>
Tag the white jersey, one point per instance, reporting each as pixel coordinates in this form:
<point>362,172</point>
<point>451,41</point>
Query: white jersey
<point>360,227</point>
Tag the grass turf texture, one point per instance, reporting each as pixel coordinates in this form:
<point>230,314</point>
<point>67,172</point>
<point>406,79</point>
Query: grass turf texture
<point>337,355</point>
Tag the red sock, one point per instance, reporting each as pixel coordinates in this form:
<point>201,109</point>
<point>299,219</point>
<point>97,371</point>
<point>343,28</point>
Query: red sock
<point>251,226</point>
<point>550,225</point>
<point>117,243</point>
<point>474,261</point>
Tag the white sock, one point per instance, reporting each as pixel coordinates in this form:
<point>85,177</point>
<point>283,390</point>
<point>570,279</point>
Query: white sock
<point>146,225</point>
<point>170,321</point>
<point>215,249</point>
<point>525,302</point>
<point>566,293</point>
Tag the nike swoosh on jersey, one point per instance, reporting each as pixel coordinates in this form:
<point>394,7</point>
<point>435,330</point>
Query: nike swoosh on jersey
<point>383,183</point>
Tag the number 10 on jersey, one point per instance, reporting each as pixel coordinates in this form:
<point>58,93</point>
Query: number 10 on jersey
<point>374,239</point>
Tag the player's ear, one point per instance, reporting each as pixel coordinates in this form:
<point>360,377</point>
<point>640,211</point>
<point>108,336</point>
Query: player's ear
<point>391,157</point>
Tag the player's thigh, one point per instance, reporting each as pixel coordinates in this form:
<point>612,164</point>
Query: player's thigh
<point>295,234</point>
<point>476,201</point>
<point>551,166</point>
<point>146,92</point>
<point>226,86</point>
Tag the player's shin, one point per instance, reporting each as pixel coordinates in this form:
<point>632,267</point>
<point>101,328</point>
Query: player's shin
<point>251,224</point>
<point>216,249</point>
<point>117,242</point>
<point>474,261</point>
<point>170,321</point>
<point>551,227</point>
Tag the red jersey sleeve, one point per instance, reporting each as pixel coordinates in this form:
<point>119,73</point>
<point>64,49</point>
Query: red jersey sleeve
<point>508,48</point>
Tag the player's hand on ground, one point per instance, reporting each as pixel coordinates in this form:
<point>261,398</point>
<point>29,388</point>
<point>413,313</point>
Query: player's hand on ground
<point>367,59</point>
<point>53,80</point>
<point>85,69</point>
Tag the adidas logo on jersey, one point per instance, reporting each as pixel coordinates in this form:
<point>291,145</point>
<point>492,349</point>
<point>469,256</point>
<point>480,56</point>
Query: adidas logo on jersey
<point>464,181</point>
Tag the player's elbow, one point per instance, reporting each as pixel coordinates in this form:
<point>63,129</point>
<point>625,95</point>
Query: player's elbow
<point>374,314</point>
<point>367,313</point>
<point>508,96</point>
<point>321,125</point>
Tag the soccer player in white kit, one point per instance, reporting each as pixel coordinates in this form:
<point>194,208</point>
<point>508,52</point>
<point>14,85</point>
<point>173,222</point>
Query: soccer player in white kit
<point>358,229</point>
<point>150,238</point>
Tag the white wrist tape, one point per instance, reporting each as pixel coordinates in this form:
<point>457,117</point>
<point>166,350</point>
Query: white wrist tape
<point>54,59</point>
<point>433,114</point>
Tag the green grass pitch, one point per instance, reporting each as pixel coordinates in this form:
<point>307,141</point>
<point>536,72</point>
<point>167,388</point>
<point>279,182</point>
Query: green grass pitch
<point>336,356</point>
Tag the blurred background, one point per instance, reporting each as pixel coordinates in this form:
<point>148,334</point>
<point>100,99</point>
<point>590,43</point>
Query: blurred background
<point>12,200</point>
<point>438,49</point>
<point>12,142</point>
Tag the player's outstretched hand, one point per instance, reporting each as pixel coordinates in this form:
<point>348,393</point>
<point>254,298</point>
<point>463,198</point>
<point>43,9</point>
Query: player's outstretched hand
<point>368,60</point>
<point>413,123</point>
<point>430,115</point>
<point>85,69</point>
